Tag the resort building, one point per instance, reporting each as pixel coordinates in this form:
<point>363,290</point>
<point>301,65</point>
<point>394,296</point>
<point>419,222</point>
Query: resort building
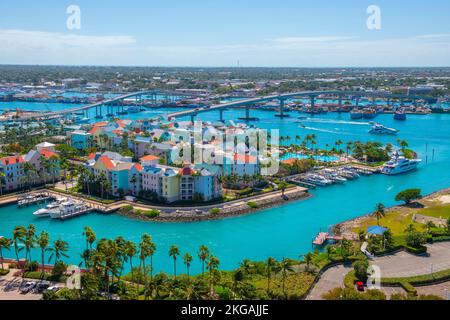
<point>37,167</point>
<point>12,173</point>
<point>80,139</point>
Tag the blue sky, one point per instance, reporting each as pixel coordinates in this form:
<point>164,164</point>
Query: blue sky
<point>318,33</point>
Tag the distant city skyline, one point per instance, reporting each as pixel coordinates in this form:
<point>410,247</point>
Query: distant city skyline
<point>221,33</point>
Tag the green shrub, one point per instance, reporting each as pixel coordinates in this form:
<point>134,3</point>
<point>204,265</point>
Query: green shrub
<point>59,269</point>
<point>244,192</point>
<point>416,250</point>
<point>350,279</point>
<point>360,269</point>
<point>4,272</point>
<point>214,211</point>
<point>31,266</point>
<point>153,213</point>
<point>126,209</point>
<point>252,204</point>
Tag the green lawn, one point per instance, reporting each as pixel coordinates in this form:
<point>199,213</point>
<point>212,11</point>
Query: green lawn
<point>440,211</point>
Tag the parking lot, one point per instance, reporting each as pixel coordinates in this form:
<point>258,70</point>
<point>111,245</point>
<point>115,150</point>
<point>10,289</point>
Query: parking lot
<point>11,284</point>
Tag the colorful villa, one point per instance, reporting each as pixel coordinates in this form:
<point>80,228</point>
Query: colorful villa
<point>44,167</point>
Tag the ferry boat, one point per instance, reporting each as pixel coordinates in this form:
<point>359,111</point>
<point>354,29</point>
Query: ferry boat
<point>399,164</point>
<point>380,129</point>
<point>356,114</point>
<point>400,115</point>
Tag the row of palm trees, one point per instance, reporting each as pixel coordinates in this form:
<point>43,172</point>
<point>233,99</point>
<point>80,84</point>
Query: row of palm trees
<point>106,259</point>
<point>26,238</point>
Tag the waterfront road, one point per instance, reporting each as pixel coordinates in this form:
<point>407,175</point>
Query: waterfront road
<point>400,264</point>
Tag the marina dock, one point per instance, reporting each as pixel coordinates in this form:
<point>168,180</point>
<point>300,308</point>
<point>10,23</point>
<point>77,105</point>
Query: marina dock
<point>323,237</point>
<point>26,199</point>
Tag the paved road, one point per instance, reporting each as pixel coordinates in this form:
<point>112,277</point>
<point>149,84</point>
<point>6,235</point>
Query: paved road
<point>330,279</point>
<point>401,264</point>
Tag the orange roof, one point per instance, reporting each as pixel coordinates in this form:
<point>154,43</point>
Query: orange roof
<point>107,162</point>
<point>12,160</point>
<point>149,157</point>
<point>93,130</point>
<point>47,153</point>
<point>289,161</point>
<point>120,123</point>
<point>186,171</point>
<point>101,123</point>
<point>91,156</point>
<point>138,167</point>
<point>116,131</point>
<point>244,158</point>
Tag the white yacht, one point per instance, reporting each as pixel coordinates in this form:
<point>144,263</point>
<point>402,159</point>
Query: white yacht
<point>399,164</point>
<point>47,210</point>
<point>380,129</point>
<point>66,207</point>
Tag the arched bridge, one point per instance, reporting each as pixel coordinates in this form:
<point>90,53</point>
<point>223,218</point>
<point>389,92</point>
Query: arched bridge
<point>312,95</point>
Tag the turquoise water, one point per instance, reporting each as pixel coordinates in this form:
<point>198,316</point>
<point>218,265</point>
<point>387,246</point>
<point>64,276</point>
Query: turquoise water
<point>285,231</point>
<point>304,156</point>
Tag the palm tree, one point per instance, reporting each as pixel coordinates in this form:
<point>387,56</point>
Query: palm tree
<point>308,259</point>
<point>187,258</point>
<point>130,251</point>
<point>43,241</point>
<point>144,252</point>
<point>212,265</point>
<point>270,265</point>
<point>174,252</point>
<point>203,254</point>
<point>29,240</point>
<point>286,266</point>
<point>90,237</point>
<point>60,247</point>
<point>246,266</point>
<point>379,212</point>
<point>5,243</point>
<point>18,235</point>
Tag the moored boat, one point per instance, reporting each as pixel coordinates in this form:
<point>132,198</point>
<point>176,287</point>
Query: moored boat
<point>399,164</point>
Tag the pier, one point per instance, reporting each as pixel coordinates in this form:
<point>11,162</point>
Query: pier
<point>26,199</point>
<point>323,237</point>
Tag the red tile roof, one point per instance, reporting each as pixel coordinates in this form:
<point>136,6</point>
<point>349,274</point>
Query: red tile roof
<point>107,162</point>
<point>186,171</point>
<point>138,167</point>
<point>149,157</point>
<point>12,160</point>
<point>48,153</point>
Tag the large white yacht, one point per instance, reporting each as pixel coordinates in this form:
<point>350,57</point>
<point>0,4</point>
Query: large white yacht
<point>49,208</point>
<point>399,164</point>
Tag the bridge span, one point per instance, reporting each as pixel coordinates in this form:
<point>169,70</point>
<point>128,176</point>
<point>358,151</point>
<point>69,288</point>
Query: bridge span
<point>312,95</point>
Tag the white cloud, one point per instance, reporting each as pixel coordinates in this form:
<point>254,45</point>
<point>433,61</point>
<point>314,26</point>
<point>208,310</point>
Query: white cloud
<point>34,47</point>
<point>311,39</point>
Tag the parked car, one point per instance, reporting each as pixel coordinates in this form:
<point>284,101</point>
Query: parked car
<point>360,286</point>
<point>27,287</point>
<point>41,287</point>
<point>53,288</point>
